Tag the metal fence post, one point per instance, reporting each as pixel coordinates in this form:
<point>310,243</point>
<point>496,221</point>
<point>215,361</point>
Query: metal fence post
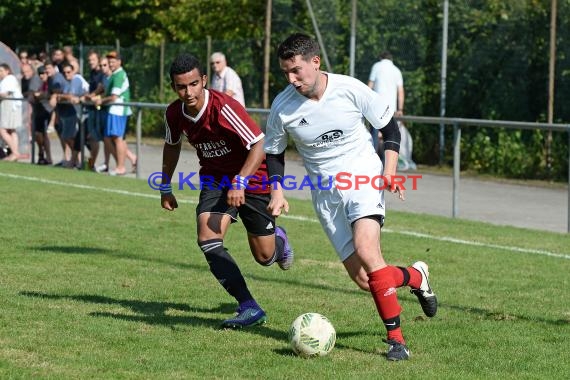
<point>456,166</point>
<point>568,208</point>
<point>139,136</point>
<point>81,123</point>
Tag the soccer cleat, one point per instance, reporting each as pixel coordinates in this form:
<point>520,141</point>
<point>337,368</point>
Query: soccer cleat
<point>397,351</point>
<point>288,255</point>
<point>246,317</point>
<point>425,294</point>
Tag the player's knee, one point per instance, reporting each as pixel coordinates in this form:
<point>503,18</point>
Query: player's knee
<point>264,258</point>
<point>210,246</point>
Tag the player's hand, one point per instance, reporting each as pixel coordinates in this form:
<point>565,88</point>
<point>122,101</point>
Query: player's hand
<point>395,187</point>
<point>168,202</point>
<point>276,204</point>
<point>236,197</point>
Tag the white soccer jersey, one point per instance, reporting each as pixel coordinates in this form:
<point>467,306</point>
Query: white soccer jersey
<point>330,134</point>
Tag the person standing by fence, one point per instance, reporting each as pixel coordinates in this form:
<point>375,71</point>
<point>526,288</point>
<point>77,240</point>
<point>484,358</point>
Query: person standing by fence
<point>386,79</point>
<point>225,79</point>
<point>10,111</point>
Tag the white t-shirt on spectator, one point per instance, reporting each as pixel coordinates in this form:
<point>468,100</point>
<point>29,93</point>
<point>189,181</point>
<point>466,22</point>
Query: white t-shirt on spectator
<point>387,78</point>
<point>229,80</point>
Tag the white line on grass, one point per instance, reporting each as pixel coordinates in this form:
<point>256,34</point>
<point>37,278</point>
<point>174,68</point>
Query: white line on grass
<point>301,218</point>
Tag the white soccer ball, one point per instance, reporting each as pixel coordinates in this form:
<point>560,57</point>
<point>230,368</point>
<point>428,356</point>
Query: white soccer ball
<point>312,334</point>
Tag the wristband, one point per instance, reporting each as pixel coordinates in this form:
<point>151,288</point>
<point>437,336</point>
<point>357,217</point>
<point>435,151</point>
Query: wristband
<point>239,182</point>
<point>165,189</point>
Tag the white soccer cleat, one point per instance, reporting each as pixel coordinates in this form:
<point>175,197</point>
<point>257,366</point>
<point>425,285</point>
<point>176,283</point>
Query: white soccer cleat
<point>425,294</point>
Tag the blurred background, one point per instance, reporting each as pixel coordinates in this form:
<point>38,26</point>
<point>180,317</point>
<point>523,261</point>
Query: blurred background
<point>480,59</point>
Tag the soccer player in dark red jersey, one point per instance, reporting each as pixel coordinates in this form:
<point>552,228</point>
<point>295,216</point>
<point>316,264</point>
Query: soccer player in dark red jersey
<point>229,145</point>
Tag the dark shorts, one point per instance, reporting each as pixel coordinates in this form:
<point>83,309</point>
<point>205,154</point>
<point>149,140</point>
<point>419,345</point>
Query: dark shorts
<point>254,215</point>
<point>68,126</point>
<point>41,120</point>
<point>95,121</point>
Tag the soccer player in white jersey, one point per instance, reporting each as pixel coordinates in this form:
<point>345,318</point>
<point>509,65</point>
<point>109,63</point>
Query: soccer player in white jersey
<point>324,115</point>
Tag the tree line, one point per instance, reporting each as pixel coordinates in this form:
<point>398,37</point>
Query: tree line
<point>497,53</point>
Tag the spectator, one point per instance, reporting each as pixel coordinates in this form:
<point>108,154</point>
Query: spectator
<point>30,83</point>
<point>10,111</point>
<point>57,58</point>
<point>93,121</point>
<point>102,114</point>
<point>41,116</point>
<point>56,83</point>
<point>70,58</point>
<point>225,79</point>
<point>35,61</point>
<point>117,92</point>
<point>386,79</point>
<point>23,55</point>
<point>69,109</point>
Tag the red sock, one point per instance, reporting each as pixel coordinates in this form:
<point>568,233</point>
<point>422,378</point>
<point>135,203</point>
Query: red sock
<point>415,278</point>
<point>383,289</point>
<point>396,335</point>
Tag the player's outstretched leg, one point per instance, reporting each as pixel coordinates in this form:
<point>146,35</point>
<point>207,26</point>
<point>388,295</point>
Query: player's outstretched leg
<point>248,314</point>
<point>397,351</point>
<point>425,294</point>
<point>286,260</point>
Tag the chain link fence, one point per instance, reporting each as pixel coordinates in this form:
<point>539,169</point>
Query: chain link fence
<point>497,68</point>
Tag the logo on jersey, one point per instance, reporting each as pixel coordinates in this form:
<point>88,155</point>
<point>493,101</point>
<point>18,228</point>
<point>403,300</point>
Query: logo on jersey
<point>328,138</point>
<point>303,122</point>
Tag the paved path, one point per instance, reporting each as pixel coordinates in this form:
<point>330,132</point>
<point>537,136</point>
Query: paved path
<point>541,208</point>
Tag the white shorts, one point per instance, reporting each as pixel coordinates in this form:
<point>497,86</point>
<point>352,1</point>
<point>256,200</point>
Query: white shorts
<point>338,209</point>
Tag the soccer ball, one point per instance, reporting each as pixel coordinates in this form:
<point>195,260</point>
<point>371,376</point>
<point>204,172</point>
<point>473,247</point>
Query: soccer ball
<point>312,334</point>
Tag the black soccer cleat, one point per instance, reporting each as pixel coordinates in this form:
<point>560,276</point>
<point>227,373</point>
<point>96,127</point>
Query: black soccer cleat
<point>397,351</point>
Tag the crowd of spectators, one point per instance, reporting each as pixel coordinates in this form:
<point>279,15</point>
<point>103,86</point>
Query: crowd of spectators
<point>59,99</point>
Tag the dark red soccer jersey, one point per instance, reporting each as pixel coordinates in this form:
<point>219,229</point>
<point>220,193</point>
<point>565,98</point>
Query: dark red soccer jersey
<point>222,134</point>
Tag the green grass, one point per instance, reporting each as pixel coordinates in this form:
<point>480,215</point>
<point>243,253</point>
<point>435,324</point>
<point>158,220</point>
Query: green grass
<point>97,281</point>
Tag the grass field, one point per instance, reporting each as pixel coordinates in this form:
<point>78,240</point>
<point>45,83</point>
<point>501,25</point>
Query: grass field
<point>97,281</point>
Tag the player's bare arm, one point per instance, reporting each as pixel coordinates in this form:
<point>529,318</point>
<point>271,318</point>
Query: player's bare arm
<point>236,197</point>
<point>170,156</point>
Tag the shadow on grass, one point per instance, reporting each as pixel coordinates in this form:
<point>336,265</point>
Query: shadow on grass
<point>499,316</point>
<point>71,249</point>
<point>181,265</point>
<point>144,307</point>
<point>157,313</point>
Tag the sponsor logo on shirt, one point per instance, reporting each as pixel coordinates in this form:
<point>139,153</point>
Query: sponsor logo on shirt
<point>213,148</point>
<point>328,138</point>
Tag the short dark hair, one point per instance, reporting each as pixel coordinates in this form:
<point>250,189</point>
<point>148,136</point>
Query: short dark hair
<point>386,55</point>
<point>66,64</point>
<point>298,44</point>
<point>6,67</point>
<point>184,63</point>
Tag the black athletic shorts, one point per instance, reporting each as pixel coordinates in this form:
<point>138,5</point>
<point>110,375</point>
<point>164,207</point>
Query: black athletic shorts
<point>41,119</point>
<point>254,214</point>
